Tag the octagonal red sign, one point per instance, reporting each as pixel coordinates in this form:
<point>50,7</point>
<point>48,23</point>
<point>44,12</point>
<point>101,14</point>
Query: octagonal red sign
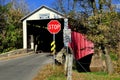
<point>54,26</point>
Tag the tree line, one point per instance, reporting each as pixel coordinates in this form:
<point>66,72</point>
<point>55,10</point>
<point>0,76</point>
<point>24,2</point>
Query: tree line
<point>10,25</point>
<point>99,20</point>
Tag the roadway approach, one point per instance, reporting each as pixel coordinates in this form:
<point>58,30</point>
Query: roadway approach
<point>23,68</point>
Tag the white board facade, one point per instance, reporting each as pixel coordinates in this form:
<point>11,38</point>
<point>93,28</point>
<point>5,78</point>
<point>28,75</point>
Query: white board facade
<point>36,15</point>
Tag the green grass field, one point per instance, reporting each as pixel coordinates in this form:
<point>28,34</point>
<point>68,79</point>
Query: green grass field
<point>48,73</point>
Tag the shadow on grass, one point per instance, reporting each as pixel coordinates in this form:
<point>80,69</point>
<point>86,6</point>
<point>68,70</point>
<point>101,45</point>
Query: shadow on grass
<point>83,64</point>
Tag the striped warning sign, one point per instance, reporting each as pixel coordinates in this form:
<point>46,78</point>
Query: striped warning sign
<point>53,46</point>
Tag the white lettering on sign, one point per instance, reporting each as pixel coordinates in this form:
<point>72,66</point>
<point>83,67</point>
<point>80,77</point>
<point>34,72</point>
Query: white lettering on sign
<point>54,26</point>
<point>67,36</point>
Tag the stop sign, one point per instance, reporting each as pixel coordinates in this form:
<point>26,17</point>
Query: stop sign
<point>54,26</point>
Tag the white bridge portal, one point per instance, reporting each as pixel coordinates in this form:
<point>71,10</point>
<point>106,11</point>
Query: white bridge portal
<point>35,25</point>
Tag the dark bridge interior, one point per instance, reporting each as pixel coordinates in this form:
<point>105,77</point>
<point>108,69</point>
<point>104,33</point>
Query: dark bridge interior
<point>42,37</point>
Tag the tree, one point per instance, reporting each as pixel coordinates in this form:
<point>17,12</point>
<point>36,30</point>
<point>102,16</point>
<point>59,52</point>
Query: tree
<point>3,17</point>
<point>98,21</point>
<point>10,25</point>
<point>102,32</point>
<point>20,5</point>
<point>103,29</point>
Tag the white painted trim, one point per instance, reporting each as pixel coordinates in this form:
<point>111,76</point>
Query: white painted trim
<point>24,35</point>
<point>45,7</point>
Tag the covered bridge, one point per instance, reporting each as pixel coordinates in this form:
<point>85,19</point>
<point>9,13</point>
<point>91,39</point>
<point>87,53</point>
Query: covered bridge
<point>35,29</point>
<point>35,32</point>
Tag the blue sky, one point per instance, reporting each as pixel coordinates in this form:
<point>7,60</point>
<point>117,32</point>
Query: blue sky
<point>33,4</point>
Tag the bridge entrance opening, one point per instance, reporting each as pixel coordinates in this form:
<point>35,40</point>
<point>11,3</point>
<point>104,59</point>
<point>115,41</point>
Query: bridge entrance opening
<point>37,34</point>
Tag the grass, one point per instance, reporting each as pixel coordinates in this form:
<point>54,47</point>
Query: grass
<point>97,76</point>
<point>57,77</point>
<point>48,73</point>
<point>113,56</point>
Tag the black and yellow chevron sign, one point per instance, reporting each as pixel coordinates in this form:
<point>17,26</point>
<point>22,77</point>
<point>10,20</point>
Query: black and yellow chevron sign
<point>53,46</point>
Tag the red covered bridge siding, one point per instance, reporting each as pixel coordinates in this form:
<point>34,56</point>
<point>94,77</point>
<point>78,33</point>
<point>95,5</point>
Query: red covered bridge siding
<point>81,45</point>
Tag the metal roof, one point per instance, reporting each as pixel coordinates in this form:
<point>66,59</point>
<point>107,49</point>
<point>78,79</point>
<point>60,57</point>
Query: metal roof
<point>53,10</point>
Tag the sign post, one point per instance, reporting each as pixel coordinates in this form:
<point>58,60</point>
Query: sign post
<point>69,56</point>
<point>53,27</point>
